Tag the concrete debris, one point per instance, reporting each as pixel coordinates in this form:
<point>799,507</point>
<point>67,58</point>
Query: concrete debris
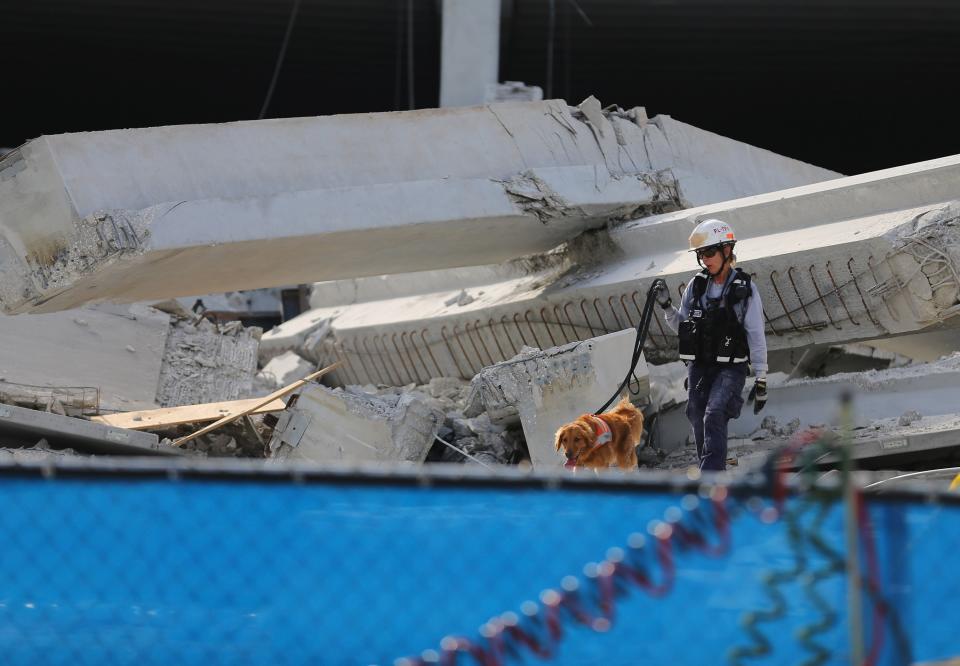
<point>109,358</point>
<point>827,360</point>
<point>63,400</point>
<point>80,358</point>
<point>282,370</point>
<point>23,427</point>
<point>540,229</point>
<point>244,438</point>
<point>484,441</point>
<point>140,214</point>
<point>896,412</point>
<point>332,424</point>
<point>257,304</point>
<point>303,334</point>
<point>667,385</point>
<point>39,452</point>
<point>547,389</point>
<point>836,263</point>
<point>207,362</point>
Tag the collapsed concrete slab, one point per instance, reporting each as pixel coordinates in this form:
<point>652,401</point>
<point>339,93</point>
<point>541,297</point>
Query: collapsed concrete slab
<point>547,389</point>
<point>25,427</point>
<point>848,260</point>
<point>334,425</point>
<point>899,411</point>
<point>108,358</point>
<point>134,215</point>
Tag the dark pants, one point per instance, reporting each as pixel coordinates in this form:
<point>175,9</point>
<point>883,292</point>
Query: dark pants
<point>713,398</point>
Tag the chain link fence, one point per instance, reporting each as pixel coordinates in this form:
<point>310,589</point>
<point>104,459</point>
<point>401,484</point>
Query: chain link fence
<point>166,562</point>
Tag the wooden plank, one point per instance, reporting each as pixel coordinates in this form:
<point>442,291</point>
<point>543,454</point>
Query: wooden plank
<point>171,416</point>
<point>279,393</point>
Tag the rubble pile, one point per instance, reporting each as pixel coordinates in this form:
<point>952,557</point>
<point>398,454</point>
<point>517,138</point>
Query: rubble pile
<point>240,439</point>
<point>325,424</point>
<point>483,440</point>
<point>476,295</point>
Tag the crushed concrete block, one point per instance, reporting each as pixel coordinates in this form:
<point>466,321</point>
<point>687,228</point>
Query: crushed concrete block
<point>207,362</point>
<point>285,369</point>
<point>335,425</point>
<point>550,388</point>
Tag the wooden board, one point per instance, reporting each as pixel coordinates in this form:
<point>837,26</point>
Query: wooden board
<point>290,388</point>
<point>170,416</point>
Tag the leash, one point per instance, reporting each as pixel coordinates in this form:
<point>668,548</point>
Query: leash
<point>642,327</point>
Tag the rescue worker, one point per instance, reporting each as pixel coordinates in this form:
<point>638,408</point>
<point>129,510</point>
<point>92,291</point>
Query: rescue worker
<point>720,324</point>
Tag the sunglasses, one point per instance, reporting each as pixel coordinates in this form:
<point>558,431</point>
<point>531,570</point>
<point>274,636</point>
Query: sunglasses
<point>708,252</point>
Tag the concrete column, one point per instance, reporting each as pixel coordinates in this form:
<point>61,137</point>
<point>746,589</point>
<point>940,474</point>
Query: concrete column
<point>470,52</point>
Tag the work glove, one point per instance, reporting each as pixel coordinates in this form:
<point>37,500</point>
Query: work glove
<point>758,394</point>
<point>662,294</point>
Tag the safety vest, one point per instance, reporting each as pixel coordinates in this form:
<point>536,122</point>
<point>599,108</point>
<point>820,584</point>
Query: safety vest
<point>712,333</point>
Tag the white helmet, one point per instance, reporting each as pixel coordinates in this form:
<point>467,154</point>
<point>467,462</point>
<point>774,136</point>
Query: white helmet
<point>711,232</point>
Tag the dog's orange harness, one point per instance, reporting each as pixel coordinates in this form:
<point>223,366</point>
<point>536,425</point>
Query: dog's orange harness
<point>602,430</point>
<point>603,433</point>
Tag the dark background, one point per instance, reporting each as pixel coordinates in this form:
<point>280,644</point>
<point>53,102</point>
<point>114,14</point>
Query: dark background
<point>850,85</point>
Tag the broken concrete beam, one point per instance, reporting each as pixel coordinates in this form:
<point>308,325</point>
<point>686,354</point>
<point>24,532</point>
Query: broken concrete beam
<point>152,213</point>
<point>835,263</point>
<point>550,388</point>
<point>24,427</point>
<point>335,425</point>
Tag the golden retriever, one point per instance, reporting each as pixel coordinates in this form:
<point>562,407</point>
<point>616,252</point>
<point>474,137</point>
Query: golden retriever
<point>603,440</point>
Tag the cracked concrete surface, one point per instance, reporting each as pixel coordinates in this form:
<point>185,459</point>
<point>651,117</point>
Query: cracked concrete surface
<point>853,259</point>
<point>207,362</point>
<point>152,213</point>
<point>327,425</point>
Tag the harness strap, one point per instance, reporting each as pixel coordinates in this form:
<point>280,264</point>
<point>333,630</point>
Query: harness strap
<point>602,431</point>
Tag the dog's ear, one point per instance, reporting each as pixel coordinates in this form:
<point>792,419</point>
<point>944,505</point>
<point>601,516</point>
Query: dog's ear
<point>586,429</point>
<point>556,437</point>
